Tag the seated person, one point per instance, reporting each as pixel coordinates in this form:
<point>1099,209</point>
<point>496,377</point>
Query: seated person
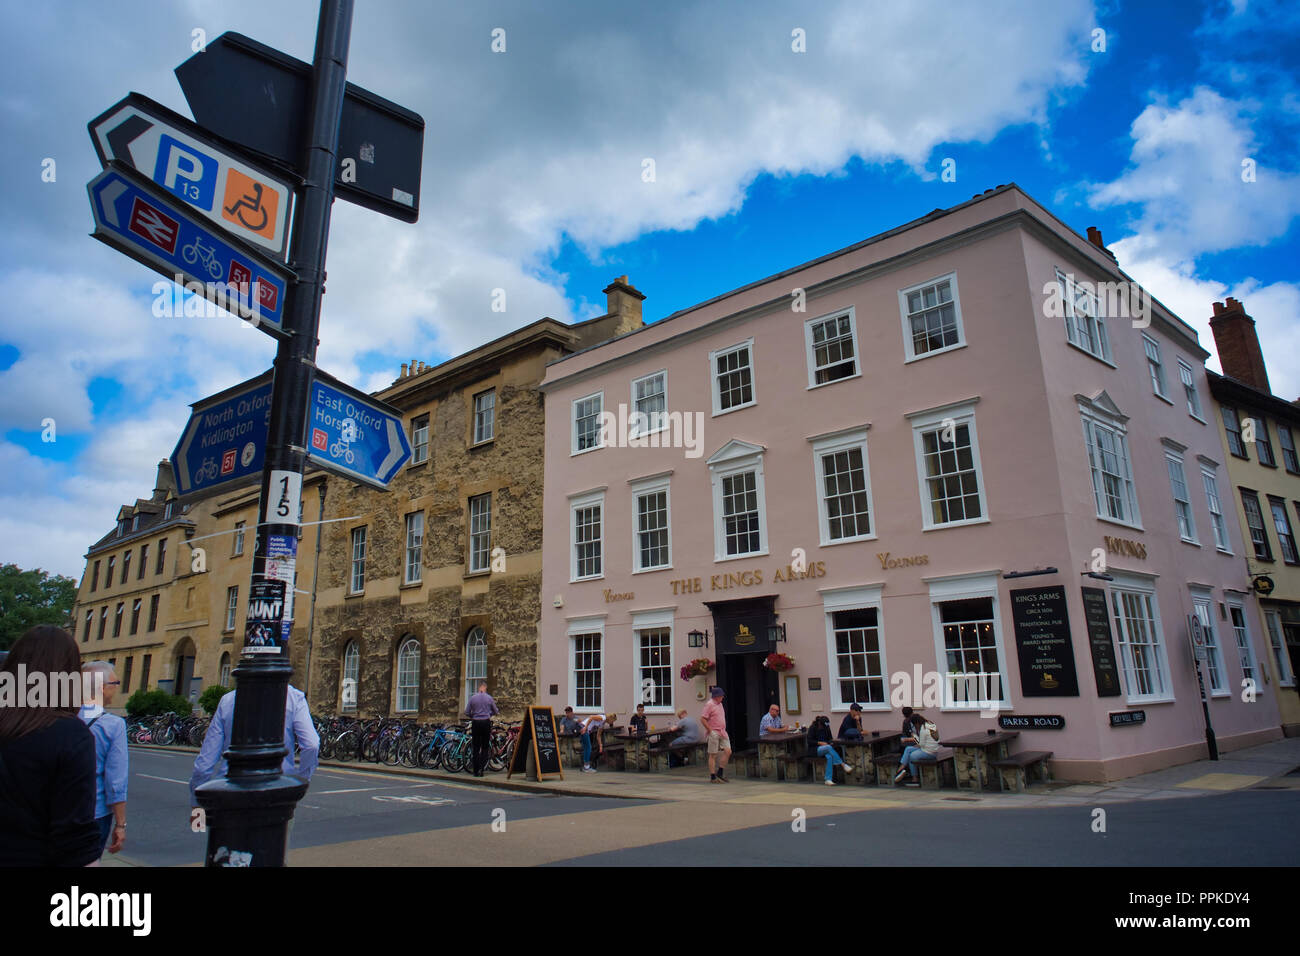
<point>636,723</point>
<point>692,732</point>
<point>926,735</point>
<point>568,724</point>
<point>819,742</point>
<point>771,721</point>
<point>908,738</point>
<point>851,726</point>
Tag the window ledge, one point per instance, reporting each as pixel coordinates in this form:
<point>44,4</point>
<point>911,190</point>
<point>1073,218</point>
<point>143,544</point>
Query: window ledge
<point>956,524</point>
<point>1122,524</point>
<point>574,452</point>
<point>485,572</point>
<point>1139,702</point>
<point>722,559</point>
<point>354,594</point>
<point>408,585</point>
<point>1225,551</point>
<point>592,577</point>
<point>834,381</point>
<point>1091,355</point>
<point>1189,541</point>
<point>416,464</point>
<point>932,354</point>
<point>1197,417</point>
<point>483,444</point>
<point>666,567</point>
<point>832,542</point>
<point>1164,398</point>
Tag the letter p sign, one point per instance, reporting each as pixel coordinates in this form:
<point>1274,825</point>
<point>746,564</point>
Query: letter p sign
<point>185,171</point>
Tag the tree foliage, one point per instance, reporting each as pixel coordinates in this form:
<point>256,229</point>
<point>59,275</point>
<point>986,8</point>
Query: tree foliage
<point>29,598</point>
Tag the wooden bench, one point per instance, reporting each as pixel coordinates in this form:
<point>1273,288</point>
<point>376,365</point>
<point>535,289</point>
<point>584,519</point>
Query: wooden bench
<point>941,769</point>
<point>614,757</point>
<point>660,753</point>
<point>749,758</point>
<point>1017,765</point>
<point>791,767</point>
<point>889,764</point>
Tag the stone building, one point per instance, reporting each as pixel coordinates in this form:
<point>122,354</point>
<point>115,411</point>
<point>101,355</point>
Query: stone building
<point>433,584</point>
<point>1259,432</point>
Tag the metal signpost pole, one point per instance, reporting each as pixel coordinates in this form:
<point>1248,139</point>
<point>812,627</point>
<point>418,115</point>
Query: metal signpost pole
<point>248,812</point>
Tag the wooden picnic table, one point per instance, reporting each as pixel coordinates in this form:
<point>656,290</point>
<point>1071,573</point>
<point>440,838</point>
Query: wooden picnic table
<point>974,753</point>
<point>638,744</point>
<point>775,745</point>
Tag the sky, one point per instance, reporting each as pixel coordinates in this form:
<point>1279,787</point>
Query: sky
<point>778,132</point>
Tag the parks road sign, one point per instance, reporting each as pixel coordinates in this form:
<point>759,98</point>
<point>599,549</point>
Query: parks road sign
<point>185,160</point>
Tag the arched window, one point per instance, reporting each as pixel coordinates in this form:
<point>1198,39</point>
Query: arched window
<point>408,676</point>
<point>475,661</point>
<point>351,673</point>
<point>224,679</point>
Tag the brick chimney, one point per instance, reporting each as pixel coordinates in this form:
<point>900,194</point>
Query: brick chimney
<point>623,301</point>
<point>1094,236</point>
<point>1238,345</point>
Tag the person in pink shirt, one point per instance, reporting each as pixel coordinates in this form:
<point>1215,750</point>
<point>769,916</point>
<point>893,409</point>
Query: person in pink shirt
<point>715,718</point>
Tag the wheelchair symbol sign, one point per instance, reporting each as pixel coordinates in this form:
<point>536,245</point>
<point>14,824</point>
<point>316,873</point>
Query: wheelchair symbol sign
<point>250,204</point>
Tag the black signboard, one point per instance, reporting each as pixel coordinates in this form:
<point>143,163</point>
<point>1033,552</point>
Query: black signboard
<point>262,624</point>
<point>251,94</point>
<point>1031,722</point>
<point>1126,718</point>
<point>537,736</point>
<point>1043,643</point>
<point>1104,669</point>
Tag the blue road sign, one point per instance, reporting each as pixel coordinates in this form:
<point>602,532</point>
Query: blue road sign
<point>138,219</point>
<point>354,435</point>
<point>225,440</point>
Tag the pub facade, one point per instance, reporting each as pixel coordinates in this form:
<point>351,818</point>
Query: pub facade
<point>963,465</point>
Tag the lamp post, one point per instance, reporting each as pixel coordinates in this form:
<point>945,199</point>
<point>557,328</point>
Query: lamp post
<point>697,639</point>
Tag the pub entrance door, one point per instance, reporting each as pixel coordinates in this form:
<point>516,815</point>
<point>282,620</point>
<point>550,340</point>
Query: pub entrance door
<point>742,644</point>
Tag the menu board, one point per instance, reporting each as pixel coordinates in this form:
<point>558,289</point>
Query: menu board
<point>1043,643</point>
<point>1104,669</point>
<point>537,736</point>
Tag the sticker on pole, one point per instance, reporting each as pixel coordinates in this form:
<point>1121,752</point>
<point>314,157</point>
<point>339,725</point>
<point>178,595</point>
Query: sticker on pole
<point>262,630</point>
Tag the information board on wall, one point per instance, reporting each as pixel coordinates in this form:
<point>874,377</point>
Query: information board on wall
<point>1097,617</point>
<point>1043,644</point>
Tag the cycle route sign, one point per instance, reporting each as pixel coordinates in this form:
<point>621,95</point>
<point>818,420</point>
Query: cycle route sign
<point>187,161</point>
<point>224,443</point>
<point>139,219</point>
<point>354,435</point>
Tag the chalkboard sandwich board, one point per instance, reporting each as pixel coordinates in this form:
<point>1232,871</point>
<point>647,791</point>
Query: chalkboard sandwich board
<point>537,736</point>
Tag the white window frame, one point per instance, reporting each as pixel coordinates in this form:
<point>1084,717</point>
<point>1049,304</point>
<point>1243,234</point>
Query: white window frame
<point>909,346</point>
<point>1174,460</point>
<point>830,445</point>
<point>1203,607</point>
<point>471,680</point>
<point>1286,441</point>
<point>1245,648</point>
<point>634,413</point>
<point>587,627</point>
<point>578,503</point>
<point>420,439</point>
<point>403,681</point>
<point>239,539</point>
<point>1095,416</point>
<point>223,672</point>
<point>357,560</point>
<point>573,424</point>
<point>810,352</point>
<point>414,554</point>
<point>475,565</point>
<point>713,378</point>
<point>232,607</point>
<point>1277,647</point>
<point>1156,367</point>
<point>736,458</point>
<point>966,587</point>
<point>1276,505</point>
<point>961,413</point>
<point>485,414</point>
<point>351,672</point>
<point>1214,504</point>
<point>643,621</point>
<point>1066,285</point>
<point>640,488</point>
<point>1145,589</point>
<point>865,597</point>
<point>1188,379</point>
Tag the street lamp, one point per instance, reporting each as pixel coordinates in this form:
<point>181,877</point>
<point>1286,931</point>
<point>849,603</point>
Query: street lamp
<point>776,633</point>
<point>697,639</point>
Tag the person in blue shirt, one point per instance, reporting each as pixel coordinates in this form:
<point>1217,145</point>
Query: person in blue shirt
<point>298,733</point>
<point>111,759</point>
<point>771,721</point>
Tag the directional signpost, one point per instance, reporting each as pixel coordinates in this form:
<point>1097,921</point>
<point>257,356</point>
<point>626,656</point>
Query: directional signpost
<point>355,435</point>
<point>188,162</point>
<point>138,219</point>
<point>185,200</point>
<point>224,444</point>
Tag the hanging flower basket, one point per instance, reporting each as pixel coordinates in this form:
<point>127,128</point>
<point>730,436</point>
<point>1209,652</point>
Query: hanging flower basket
<point>696,668</point>
<point>779,662</point>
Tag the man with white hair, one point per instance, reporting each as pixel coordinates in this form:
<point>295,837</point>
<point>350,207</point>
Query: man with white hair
<point>109,731</point>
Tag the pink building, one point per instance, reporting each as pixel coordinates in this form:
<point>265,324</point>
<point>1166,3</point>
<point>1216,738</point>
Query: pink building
<point>855,463</point>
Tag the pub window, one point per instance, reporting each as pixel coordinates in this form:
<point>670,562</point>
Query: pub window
<point>654,683</point>
<point>948,462</point>
<point>844,491</point>
<point>972,657</point>
<point>859,657</point>
<point>732,377</point>
<point>831,350</point>
<point>408,677</point>
<point>1154,365</point>
<point>587,672</point>
<point>587,537</point>
<point>1182,500</point>
<point>1109,462</point>
<point>652,542</point>
<point>649,403</point>
<point>1216,510</point>
<point>586,422</point>
<point>1084,326</point>
<point>1189,390</point>
<point>1245,650</point>
<point>1214,653</point>
<point>1141,650</point>
<point>931,318</point>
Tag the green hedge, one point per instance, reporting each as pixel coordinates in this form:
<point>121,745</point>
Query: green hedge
<point>209,698</point>
<point>149,703</point>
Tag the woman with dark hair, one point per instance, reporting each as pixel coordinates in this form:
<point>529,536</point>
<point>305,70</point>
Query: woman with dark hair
<point>47,757</point>
<point>820,743</point>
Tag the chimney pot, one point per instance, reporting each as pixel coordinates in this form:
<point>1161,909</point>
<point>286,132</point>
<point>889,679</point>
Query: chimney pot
<point>623,301</point>
<point>1094,236</point>
<point>403,375</point>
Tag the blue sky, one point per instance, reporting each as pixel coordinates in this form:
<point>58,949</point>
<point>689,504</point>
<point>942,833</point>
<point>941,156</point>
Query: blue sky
<point>765,157</point>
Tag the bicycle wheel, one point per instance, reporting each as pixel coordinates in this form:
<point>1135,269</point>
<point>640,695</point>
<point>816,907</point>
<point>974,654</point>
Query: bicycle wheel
<point>166,734</point>
<point>456,757</point>
<point>430,754</point>
<point>345,747</point>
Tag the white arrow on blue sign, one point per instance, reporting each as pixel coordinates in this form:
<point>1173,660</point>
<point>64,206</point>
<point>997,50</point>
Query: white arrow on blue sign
<point>225,440</point>
<point>354,435</point>
<point>136,218</point>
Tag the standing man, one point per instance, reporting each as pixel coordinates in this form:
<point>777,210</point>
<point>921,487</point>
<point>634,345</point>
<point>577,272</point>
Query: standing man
<point>715,718</point>
<point>109,731</point>
<point>771,721</point>
<point>298,733</point>
<point>481,709</point>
